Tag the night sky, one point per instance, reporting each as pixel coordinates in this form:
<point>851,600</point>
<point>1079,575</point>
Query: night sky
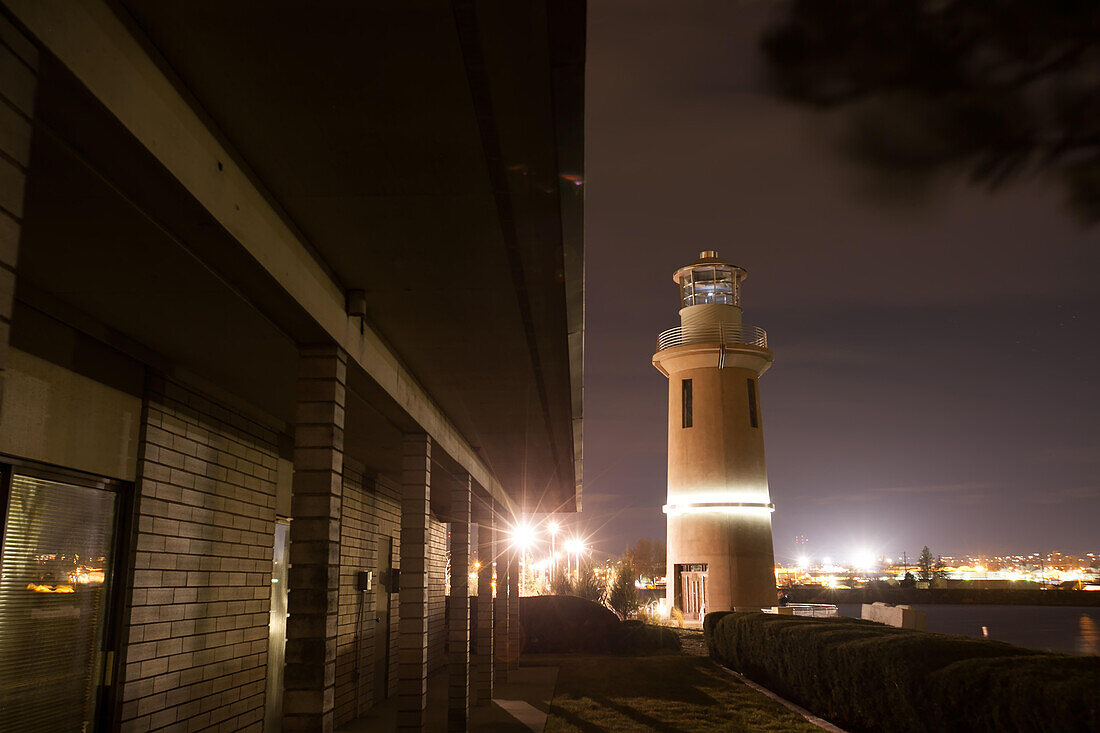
<point>936,372</point>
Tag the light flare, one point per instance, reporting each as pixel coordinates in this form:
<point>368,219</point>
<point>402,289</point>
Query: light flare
<point>523,536</point>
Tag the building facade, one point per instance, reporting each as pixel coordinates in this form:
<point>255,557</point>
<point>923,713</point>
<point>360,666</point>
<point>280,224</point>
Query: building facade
<point>291,312</point>
<point>719,509</point>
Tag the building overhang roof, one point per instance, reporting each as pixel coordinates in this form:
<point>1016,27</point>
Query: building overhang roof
<point>430,155</point>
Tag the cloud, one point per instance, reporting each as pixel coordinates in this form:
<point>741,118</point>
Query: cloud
<point>594,502</point>
<point>965,494</point>
<point>1075,454</point>
<point>603,506</point>
<point>829,355</point>
<point>972,491</point>
<point>1061,496</point>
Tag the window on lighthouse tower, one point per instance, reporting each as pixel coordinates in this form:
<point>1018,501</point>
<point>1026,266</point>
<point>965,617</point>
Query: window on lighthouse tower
<point>685,403</point>
<point>754,418</point>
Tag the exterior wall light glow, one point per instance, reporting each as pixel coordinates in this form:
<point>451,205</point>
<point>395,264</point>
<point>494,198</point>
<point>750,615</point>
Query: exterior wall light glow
<point>735,507</point>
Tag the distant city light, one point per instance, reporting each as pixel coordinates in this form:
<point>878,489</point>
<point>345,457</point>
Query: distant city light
<point>864,559</point>
<point>552,528</point>
<point>574,546</point>
<point>973,571</point>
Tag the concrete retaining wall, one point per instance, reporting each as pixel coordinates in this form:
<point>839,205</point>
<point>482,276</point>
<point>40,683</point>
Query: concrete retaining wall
<point>903,617</point>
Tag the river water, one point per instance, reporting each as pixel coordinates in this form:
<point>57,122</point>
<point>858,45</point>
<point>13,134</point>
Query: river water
<point>1066,629</point>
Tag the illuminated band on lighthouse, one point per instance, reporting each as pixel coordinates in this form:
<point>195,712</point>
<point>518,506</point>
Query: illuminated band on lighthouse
<point>719,509</point>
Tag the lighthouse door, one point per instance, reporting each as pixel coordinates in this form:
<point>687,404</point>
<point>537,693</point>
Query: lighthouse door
<point>693,590</point>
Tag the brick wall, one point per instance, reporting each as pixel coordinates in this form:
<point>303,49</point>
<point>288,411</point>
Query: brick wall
<point>18,82</point>
<point>437,594</point>
<point>198,611</point>
<point>388,511</point>
<point>356,619</point>
<point>371,511</point>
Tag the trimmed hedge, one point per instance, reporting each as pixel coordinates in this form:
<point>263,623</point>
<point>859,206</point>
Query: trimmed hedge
<point>865,676</point>
<point>709,622</point>
<point>565,624</point>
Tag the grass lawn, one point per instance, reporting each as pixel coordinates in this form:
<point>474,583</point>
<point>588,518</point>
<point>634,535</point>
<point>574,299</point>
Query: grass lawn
<point>665,693</point>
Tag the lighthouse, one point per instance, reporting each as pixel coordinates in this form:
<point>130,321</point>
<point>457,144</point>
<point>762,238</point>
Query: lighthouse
<point>719,510</point>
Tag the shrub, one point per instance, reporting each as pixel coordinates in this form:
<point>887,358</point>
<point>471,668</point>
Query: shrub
<point>637,637</point>
<point>709,622</point>
<point>865,676</point>
<point>586,585</point>
<point>653,615</point>
<point>564,624</point>
<point>1040,692</point>
<point>561,585</point>
<point>649,615</point>
<point>676,617</point>
<point>622,596</point>
<point>558,624</point>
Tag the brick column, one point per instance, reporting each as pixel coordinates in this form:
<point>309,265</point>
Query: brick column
<point>500,604</point>
<point>514,640</point>
<point>483,661</point>
<point>458,671</point>
<point>18,81</point>
<point>314,575</point>
<point>412,665</point>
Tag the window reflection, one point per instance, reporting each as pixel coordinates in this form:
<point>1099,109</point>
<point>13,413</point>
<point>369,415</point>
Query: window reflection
<point>54,578</point>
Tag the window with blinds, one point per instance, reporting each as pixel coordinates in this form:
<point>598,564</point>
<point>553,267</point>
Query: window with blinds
<point>55,575</point>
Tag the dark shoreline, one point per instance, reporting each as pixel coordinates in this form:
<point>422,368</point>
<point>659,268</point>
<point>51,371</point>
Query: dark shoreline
<point>909,596</point>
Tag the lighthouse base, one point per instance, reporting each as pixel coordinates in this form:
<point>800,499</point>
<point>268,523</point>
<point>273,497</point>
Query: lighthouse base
<point>719,561</point>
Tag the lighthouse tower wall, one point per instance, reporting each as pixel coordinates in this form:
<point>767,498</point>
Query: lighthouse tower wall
<point>719,460</point>
<point>709,314</point>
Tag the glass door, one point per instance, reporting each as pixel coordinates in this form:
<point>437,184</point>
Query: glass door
<point>55,594</point>
<point>276,641</point>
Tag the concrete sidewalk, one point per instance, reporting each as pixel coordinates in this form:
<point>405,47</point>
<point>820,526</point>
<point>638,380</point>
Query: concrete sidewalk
<point>521,705</point>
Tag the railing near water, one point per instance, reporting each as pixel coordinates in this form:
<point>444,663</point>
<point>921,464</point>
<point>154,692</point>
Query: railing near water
<point>811,610</point>
<point>712,333</point>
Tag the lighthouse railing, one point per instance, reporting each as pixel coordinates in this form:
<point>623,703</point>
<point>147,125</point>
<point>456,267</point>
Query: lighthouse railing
<point>712,333</point>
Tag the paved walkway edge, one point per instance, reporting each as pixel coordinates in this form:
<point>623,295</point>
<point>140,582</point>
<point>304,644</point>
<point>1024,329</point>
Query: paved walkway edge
<point>819,722</point>
<point>550,704</point>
